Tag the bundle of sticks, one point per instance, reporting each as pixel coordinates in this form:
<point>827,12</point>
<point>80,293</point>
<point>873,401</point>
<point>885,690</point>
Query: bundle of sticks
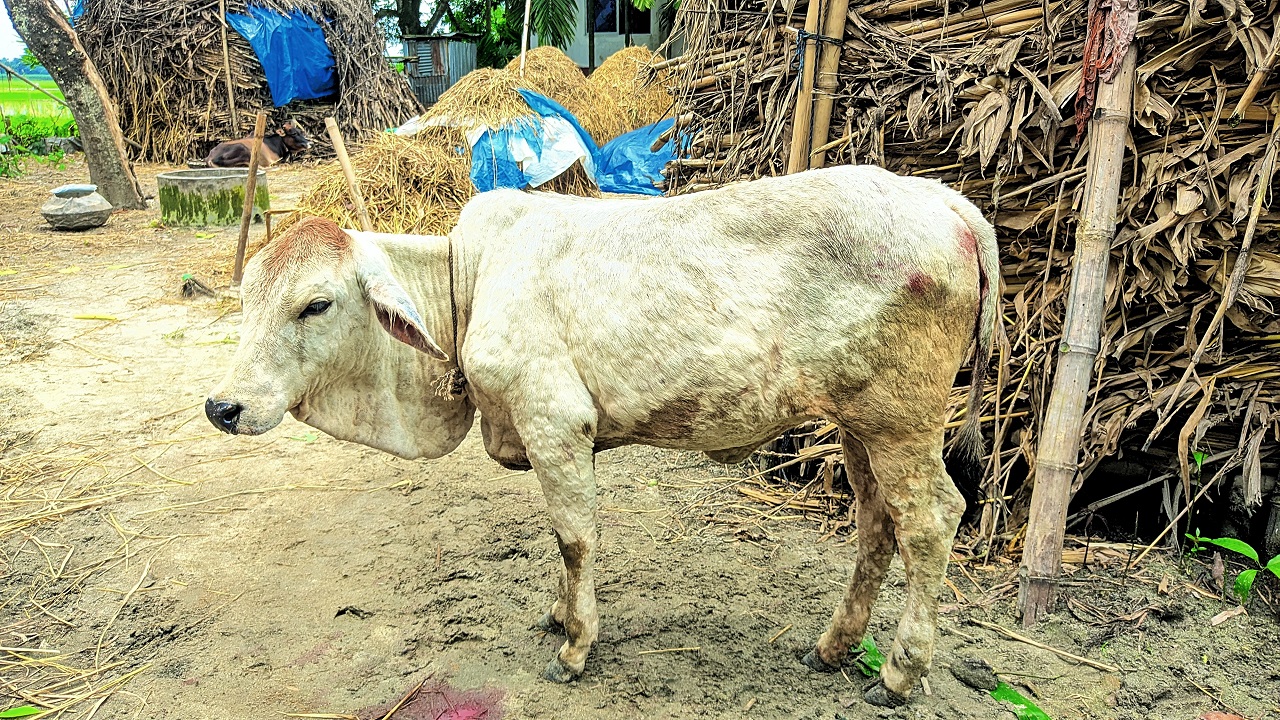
<point>183,80</point>
<point>980,96</point>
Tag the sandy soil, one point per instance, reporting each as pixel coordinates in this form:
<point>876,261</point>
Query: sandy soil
<point>293,573</point>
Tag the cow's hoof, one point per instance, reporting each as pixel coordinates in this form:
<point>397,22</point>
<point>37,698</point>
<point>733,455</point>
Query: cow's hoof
<point>815,661</point>
<point>558,672</point>
<point>549,623</point>
<point>881,696</point>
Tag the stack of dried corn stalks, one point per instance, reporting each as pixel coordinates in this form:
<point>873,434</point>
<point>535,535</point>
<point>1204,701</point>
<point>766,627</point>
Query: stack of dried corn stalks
<point>183,80</point>
<point>980,96</point>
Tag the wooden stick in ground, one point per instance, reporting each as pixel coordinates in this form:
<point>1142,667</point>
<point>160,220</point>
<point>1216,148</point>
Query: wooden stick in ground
<point>226,66</point>
<point>1060,440</point>
<point>801,120</point>
<point>15,73</point>
<point>250,189</point>
<point>827,81</point>
<point>1236,281</point>
<point>1060,653</point>
<point>339,147</point>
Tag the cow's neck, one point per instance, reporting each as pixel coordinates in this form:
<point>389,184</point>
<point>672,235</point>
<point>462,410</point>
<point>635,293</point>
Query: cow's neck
<point>421,265</point>
<point>387,397</point>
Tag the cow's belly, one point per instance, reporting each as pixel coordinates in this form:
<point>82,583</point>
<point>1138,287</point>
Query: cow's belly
<point>713,421</point>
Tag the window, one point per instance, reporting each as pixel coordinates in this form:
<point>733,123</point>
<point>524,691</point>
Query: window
<point>606,20</point>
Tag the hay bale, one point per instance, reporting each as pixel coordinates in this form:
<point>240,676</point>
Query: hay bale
<point>550,72</point>
<point>410,185</point>
<point>419,184</point>
<point>163,64</point>
<point>624,78</point>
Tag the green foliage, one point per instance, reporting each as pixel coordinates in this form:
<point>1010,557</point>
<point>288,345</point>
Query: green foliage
<point>871,659</point>
<point>23,137</point>
<point>1022,707</point>
<point>29,60</point>
<point>1244,581</point>
<point>22,711</point>
<point>554,21</point>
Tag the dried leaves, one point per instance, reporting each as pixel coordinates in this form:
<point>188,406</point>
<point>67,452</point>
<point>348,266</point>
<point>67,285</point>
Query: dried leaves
<point>979,97</point>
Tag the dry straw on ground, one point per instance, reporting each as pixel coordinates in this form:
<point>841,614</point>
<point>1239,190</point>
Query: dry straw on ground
<point>550,72</point>
<point>39,488</point>
<point>625,76</point>
<point>981,97</point>
<point>164,65</point>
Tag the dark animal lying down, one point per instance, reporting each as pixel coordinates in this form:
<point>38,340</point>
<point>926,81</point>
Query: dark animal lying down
<point>287,141</point>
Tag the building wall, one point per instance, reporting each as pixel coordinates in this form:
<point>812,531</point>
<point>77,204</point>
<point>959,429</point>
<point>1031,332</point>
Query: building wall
<point>609,43</point>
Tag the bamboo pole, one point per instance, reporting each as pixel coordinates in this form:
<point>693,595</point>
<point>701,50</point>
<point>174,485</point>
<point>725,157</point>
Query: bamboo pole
<point>801,127</point>
<point>524,35</point>
<point>339,147</point>
<point>226,66</point>
<point>250,189</point>
<point>827,81</point>
<point>1059,449</point>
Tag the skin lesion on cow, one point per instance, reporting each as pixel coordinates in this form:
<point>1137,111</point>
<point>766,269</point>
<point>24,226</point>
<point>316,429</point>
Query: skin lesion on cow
<point>670,421</point>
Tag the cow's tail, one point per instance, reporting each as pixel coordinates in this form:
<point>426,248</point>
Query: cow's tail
<point>967,452</point>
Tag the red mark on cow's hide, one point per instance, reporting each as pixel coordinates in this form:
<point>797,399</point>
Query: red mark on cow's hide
<point>968,243</point>
<point>919,283</point>
<point>312,238</point>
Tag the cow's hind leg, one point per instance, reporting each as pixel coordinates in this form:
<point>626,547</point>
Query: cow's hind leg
<point>875,551</point>
<point>561,451</point>
<point>926,510</point>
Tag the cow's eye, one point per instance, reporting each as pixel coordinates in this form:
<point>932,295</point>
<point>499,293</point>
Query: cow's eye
<point>314,308</point>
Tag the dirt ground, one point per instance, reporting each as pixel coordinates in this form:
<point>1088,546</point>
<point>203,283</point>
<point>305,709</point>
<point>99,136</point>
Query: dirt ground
<point>154,568</point>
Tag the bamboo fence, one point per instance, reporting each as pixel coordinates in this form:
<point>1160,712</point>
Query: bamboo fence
<point>980,96</point>
<point>183,82</point>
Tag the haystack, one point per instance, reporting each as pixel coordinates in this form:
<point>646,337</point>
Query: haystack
<point>410,185</point>
<point>164,65</point>
<point>418,184</point>
<point>625,78</point>
<point>549,71</point>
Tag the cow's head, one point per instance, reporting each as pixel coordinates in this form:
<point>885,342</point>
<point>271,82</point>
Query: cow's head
<point>332,337</point>
<point>295,140</point>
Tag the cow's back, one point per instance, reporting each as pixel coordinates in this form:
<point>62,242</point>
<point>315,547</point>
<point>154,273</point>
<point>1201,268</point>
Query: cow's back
<point>745,307</point>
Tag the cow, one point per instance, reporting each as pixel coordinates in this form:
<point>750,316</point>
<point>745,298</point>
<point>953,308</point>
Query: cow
<point>712,321</point>
<point>285,142</point>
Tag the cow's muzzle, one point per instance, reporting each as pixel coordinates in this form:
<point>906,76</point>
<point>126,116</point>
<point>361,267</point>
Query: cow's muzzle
<point>224,415</point>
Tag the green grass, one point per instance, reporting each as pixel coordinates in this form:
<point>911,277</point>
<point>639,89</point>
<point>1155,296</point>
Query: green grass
<point>27,117</point>
<point>18,98</point>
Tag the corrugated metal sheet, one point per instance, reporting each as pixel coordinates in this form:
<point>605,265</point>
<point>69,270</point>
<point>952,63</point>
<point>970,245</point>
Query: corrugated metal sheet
<point>441,62</point>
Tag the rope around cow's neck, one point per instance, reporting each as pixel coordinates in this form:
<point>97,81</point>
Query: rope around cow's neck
<point>452,384</point>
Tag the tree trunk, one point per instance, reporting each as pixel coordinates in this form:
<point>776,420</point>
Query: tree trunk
<point>409,17</point>
<point>51,39</point>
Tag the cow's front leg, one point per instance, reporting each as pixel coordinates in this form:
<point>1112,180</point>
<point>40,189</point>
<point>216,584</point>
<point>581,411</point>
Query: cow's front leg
<point>563,458</point>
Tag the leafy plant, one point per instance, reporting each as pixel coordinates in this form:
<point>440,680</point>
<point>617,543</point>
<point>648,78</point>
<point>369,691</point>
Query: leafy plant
<point>29,60</point>
<point>1244,581</point>
<point>871,659</point>
<point>20,712</point>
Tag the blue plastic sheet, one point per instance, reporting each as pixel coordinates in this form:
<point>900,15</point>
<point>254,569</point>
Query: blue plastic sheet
<point>293,53</point>
<point>627,165</point>
<point>526,154</point>
<point>493,165</point>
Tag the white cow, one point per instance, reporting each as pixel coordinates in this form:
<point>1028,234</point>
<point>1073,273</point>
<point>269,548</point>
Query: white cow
<point>710,322</point>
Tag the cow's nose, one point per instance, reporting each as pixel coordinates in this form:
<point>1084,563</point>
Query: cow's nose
<point>223,415</point>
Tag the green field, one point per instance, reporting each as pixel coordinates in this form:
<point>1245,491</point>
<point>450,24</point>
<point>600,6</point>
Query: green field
<point>18,98</point>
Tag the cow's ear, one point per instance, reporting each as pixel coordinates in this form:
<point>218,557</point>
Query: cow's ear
<point>396,313</point>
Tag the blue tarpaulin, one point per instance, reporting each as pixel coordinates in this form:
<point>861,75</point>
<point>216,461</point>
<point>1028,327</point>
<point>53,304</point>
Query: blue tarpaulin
<point>627,165</point>
<point>293,53</point>
<point>526,153</point>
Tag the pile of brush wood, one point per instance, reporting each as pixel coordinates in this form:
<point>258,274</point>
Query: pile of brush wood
<point>981,96</point>
<point>183,80</point>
